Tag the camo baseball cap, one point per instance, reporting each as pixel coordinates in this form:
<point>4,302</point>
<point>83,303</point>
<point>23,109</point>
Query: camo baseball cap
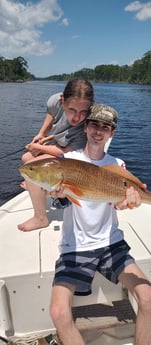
<point>104,113</point>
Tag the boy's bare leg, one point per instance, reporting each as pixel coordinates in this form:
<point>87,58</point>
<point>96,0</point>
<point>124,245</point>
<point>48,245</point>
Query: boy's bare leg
<point>135,281</point>
<point>61,313</point>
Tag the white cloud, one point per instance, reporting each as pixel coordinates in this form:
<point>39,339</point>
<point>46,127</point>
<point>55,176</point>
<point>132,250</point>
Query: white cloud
<point>143,10</point>
<point>21,27</point>
<point>76,36</point>
<point>82,65</point>
<point>131,63</point>
<point>134,6</point>
<point>65,22</point>
<point>114,62</point>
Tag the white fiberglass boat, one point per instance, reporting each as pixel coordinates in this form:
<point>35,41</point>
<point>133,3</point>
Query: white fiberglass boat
<point>27,262</point>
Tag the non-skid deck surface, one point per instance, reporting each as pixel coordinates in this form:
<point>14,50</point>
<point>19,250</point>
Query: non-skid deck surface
<point>101,315</point>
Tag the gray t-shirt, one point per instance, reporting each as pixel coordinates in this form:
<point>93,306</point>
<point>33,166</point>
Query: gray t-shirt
<point>65,134</point>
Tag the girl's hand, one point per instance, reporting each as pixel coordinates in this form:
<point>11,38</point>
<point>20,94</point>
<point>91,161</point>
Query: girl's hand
<point>34,148</point>
<point>37,138</point>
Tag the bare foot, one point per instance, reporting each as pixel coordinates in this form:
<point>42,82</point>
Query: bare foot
<point>23,185</point>
<point>33,224</point>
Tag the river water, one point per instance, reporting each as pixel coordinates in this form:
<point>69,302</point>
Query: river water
<point>23,109</point>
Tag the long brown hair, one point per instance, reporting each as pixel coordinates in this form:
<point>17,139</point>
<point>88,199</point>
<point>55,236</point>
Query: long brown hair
<point>80,88</point>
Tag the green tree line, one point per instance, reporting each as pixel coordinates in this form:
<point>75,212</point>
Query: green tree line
<point>14,70</point>
<point>138,72</point>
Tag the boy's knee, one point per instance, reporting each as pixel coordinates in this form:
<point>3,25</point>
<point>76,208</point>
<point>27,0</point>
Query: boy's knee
<point>59,315</point>
<point>144,299</point>
<point>53,312</point>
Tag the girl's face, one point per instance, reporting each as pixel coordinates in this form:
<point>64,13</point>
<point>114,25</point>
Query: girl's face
<point>76,109</point>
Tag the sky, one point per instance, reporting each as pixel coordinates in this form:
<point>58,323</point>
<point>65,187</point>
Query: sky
<point>64,36</point>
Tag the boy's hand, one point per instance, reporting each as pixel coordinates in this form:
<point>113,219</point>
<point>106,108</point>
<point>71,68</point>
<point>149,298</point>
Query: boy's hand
<point>58,194</point>
<point>132,200</point>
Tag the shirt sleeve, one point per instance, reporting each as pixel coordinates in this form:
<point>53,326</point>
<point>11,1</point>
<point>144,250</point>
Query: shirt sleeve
<point>53,104</point>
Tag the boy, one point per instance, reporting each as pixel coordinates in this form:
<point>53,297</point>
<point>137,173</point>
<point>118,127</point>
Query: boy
<point>91,241</point>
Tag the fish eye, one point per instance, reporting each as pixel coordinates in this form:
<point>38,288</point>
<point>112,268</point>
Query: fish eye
<point>125,183</point>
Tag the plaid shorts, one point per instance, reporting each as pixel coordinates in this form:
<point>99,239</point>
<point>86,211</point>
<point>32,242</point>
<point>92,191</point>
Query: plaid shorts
<point>78,268</point>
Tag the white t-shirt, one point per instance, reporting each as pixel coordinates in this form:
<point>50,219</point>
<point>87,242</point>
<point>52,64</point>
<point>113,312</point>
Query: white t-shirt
<point>95,224</point>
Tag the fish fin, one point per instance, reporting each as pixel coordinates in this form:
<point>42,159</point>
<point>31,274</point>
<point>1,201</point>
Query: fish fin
<point>76,202</point>
<point>74,189</point>
<point>123,173</point>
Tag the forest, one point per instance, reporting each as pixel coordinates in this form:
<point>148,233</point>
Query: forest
<point>139,72</point>
<point>16,70</point>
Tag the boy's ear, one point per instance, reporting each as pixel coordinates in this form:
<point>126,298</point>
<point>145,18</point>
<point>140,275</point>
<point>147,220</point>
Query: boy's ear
<point>112,133</point>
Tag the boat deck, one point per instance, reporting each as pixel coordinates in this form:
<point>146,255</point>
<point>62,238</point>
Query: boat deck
<point>27,269</point>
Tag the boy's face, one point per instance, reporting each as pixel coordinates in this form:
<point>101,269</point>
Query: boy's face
<point>98,131</point>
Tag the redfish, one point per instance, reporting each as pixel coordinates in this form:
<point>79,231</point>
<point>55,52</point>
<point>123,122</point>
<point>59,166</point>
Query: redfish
<point>83,180</point>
